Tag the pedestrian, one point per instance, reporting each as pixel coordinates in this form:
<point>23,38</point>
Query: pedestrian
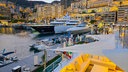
<point>106,30</point>
<point>113,25</point>
<point>101,30</point>
<point>95,29</point>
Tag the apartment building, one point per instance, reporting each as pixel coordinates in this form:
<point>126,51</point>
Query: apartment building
<point>122,14</point>
<point>106,17</point>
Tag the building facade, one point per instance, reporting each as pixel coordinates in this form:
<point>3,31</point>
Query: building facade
<point>66,3</point>
<point>4,10</point>
<point>122,14</point>
<point>106,17</point>
<point>49,11</point>
<point>78,6</point>
<point>98,3</point>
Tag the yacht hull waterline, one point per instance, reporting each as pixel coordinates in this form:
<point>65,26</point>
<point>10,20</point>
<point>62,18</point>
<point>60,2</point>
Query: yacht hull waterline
<point>58,29</point>
<point>50,29</point>
<point>44,29</point>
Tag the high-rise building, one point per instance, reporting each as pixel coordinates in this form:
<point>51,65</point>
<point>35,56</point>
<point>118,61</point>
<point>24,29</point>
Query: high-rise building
<point>49,11</point>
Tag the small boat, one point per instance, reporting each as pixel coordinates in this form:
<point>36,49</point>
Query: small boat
<point>37,46</point>
<point>5,59</point>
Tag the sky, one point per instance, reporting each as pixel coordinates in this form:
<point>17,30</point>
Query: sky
<point>48,1</point>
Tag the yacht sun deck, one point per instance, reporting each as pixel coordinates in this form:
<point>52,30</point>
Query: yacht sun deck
<point>66,20</point>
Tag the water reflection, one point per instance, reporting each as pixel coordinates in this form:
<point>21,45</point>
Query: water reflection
<point>123,36</point>
<point>7,30</point>
<point>16,40</point>
<point>124,40</point>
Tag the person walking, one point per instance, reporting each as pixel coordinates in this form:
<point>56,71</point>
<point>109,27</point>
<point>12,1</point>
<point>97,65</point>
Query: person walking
<point>96,29</point>
<point>106,30</point>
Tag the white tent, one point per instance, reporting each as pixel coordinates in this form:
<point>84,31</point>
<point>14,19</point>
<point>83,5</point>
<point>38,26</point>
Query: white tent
<point>104,47</point>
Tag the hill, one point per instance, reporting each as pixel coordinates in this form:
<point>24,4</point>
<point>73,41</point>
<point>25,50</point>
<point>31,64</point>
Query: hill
<point>25,3</point>
<point>55,2</point>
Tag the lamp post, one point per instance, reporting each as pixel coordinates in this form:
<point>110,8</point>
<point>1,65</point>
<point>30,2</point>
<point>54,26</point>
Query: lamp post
<point>45,58</point>
<point>120,19</point>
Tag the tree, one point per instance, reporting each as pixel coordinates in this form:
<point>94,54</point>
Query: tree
<point>120,3</point>
<point>93,11</point>
<point>83,12</point>
<point>93,21</point>
<point>4,18</point>
<point>95,26</point>
<point>34,10</point>
<point>120,23</point>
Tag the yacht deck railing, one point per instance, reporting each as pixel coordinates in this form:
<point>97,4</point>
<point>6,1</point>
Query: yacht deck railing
<point>52,66</point>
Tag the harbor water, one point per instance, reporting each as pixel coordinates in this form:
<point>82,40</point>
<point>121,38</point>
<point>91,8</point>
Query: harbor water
<point>16,40</point>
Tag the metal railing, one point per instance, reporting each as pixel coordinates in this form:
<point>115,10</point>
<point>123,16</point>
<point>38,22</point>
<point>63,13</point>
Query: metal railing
<point>52,66</point>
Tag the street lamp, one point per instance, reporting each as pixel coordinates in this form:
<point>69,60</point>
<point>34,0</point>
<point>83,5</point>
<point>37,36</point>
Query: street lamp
<point>45,58</point>
<point>120,19</point>
<point>45,55</point>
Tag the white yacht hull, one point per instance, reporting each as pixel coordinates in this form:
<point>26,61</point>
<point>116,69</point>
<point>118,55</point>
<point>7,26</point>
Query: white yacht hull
<point>78,30</point>
<point>61,29</point>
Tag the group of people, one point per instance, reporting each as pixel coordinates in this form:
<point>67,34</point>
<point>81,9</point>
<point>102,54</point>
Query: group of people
<point>106,29</point>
